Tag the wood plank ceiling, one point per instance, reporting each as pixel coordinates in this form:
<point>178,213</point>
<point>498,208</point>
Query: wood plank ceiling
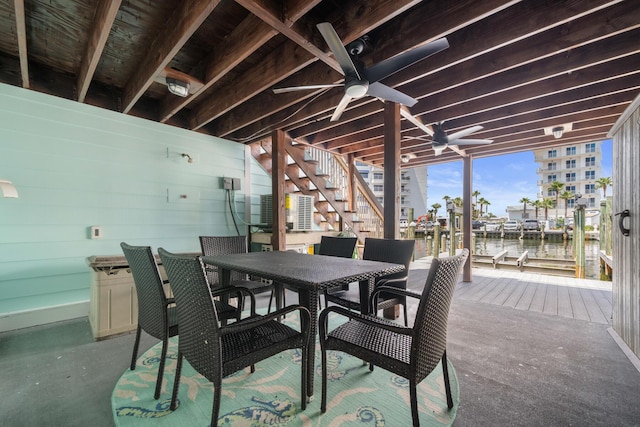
<point>514,67</point>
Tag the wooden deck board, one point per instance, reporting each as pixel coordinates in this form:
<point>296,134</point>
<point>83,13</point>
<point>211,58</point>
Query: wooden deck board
<point>577,304</point>
<point>582,299</point>
<point>551,301</point>
<point>593,309</point>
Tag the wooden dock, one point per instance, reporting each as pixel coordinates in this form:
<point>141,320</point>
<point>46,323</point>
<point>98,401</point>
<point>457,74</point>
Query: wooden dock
<point>582,299</point>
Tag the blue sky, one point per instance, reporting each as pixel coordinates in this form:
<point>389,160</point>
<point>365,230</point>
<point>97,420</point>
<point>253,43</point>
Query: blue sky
<point>502,180</point>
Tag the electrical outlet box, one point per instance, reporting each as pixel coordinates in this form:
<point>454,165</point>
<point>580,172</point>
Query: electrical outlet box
<point>235,184</point>
<point>227,183</point>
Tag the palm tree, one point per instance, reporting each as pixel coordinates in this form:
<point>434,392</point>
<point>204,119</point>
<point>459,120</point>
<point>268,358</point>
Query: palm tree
<point>524,201</point>
<point>546,204</point>
<point>483,202</point>
<point>566,195</point>
<point>603,183</point>
<point>457,201</point>
<point>556,186</point>
<point>537,204</point>
<point>475,194</point>
<point>435,207</point>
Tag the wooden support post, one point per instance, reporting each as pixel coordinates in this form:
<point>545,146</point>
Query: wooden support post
<point>467,213</point>
<point>391,170</point>
<point>279,163</point>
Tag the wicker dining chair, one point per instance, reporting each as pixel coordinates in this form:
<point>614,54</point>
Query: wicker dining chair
<point>416,351</point>
<point>331,246</point>
<point>215,350</point>
<point>221,245</point>
<point>156,313</point>
<point>387,250</point>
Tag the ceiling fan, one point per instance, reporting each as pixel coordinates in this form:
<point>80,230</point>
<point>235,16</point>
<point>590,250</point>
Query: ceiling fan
<point>440,139</point>
<point>360,81</point>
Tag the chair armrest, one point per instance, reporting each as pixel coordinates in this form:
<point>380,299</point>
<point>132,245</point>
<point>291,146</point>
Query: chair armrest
<point>385,282</point>
<point>323,323</point>
<point>239,291</point>
<point>373,299</point>
<point>254,321</point>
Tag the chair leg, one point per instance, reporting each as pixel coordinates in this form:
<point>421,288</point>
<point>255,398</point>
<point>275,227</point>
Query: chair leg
<point>406,316</point>
<point>270,301</point>
<point>163,358</point>
<point>136,344</point>
<point>414,403</point>
<point>447,384</point>
<point>303,388</point>
<point>323,405</point>
<point>217,384</point>
<point>176,383</point>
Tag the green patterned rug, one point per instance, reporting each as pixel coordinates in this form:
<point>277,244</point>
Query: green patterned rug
<point>271,395</point>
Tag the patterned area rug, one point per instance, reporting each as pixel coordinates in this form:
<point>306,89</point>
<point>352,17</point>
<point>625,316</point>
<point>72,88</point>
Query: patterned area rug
<point>271,395</point>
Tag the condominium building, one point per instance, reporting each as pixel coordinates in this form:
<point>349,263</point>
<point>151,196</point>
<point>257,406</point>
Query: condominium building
<point>577,166</point>
<point>413,188</point>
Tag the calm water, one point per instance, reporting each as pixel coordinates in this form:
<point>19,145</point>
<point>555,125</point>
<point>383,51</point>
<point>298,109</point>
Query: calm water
<point>536,248</point>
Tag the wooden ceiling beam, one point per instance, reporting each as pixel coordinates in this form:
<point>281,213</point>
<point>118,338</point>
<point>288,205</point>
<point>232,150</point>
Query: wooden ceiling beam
<point>100,29</point>
<point>526,14</point>
<point>21,35</point>
<point>518,134</point>
<point>188,17</point>
<point>440,11</point>
<point>355,18</point>
<point>283,24</point>
<point>497,84</point>
<point>243,41</point>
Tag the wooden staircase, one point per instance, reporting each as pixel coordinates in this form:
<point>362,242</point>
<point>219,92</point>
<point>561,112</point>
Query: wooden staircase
<point>325,177</point>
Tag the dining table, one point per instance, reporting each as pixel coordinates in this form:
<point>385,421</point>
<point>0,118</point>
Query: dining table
<point>308,275</point>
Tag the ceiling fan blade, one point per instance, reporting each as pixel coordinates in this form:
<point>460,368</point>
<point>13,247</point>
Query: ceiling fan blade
<point>392,65</point>
<point>335,44</point>
<point>387,93</point>
<point>465,132</point>
<point>309,87</point>
<point>470,141</point>
<point>340,108</point>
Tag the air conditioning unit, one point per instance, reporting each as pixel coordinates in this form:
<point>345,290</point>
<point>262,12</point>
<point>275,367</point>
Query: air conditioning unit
<point>298,211</point>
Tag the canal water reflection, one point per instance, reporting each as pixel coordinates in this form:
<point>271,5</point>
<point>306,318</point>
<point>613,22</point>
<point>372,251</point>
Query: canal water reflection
<point>536,248</point>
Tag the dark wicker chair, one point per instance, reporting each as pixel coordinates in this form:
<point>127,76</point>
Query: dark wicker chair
<point>416,351</point>
<point>157,315</point>
<point>220,245</point>
<point>216,351</point>
<point>332,246</point>
<point>387,250</point>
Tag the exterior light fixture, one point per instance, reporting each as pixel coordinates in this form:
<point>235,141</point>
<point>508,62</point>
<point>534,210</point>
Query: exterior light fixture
<point>177,87</point>
<point>8,190</point>
<point>406,157</point>
<point>557,132</point>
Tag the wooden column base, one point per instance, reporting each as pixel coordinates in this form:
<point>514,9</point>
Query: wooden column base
<point>391,313</point>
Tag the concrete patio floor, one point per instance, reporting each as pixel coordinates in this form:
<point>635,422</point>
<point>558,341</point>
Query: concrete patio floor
<point>515,365</point>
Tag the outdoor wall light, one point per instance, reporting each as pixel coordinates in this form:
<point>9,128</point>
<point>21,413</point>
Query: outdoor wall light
<point>177,87</point>
<point>8,190</point>
<point>557,132</point>
<point>188,157</point>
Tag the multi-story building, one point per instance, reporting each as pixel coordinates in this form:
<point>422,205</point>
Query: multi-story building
<point>413,188</point>
<point>577,166</point>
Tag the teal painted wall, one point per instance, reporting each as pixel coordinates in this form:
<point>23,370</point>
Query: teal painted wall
<point>75,166</point>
